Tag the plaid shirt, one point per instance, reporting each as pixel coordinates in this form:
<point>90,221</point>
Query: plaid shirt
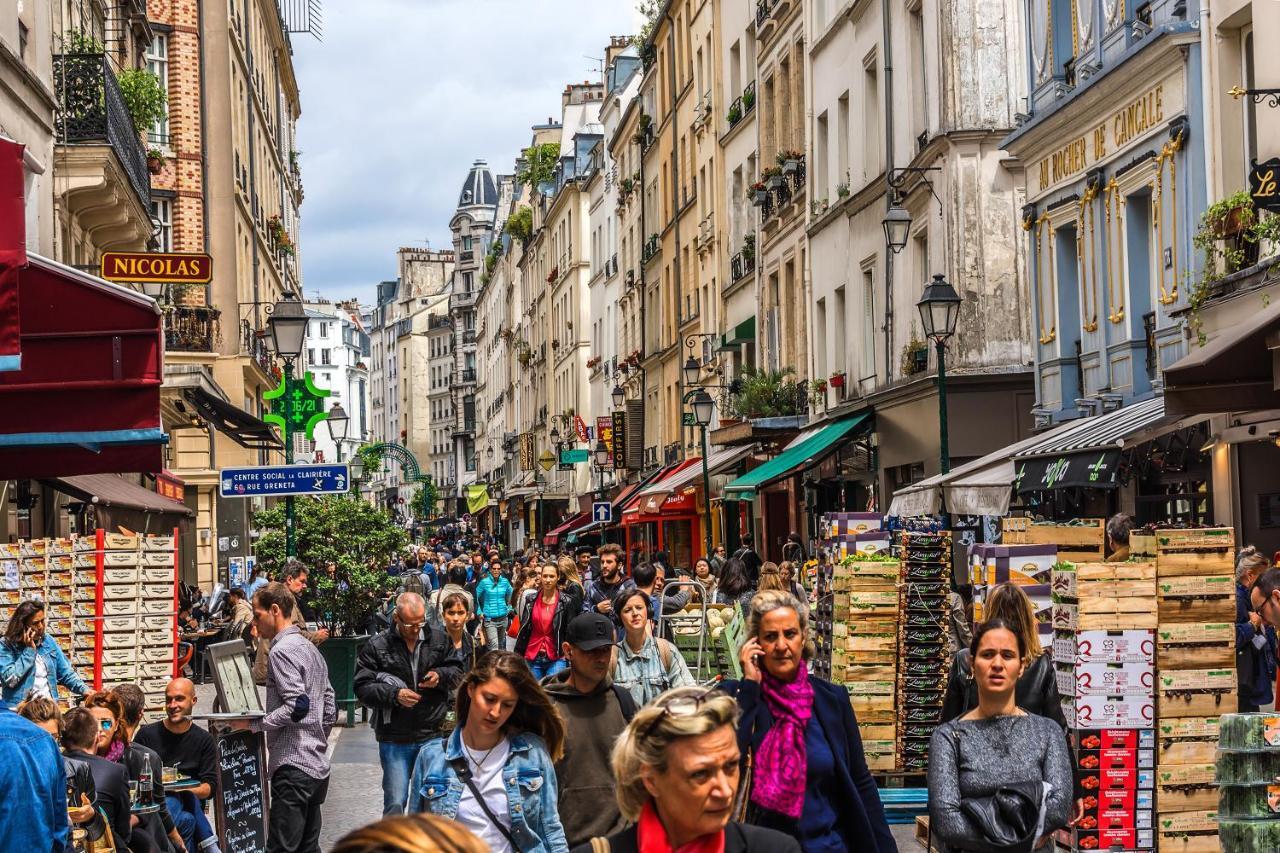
<point>300,706</point>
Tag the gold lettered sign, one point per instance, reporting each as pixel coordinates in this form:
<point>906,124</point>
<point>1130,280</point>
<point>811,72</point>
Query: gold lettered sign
<point>160,267</point>
<point>619,437</point>
<point>527,460</point>
<point>1264,185</point>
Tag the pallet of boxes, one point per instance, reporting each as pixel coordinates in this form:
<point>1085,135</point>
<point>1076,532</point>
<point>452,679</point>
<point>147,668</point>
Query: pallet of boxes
<point>1196,682</point>
<point>1029,567</point>
<point>857,621</point>
<point>923,643</point>
<point>40,569</point>
<point>1104,616</point>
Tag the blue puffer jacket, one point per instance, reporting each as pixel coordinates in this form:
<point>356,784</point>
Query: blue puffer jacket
<point>18,671</point>
<point>531,789</point>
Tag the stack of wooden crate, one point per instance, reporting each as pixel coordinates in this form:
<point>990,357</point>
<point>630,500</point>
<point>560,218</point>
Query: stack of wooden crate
<point>1196,680</point>
<point>924,642</point>
<point>1104,596</point>
<point>1080,541</point>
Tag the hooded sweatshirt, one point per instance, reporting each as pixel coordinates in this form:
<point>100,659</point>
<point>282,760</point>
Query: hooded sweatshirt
<point>593,722</point>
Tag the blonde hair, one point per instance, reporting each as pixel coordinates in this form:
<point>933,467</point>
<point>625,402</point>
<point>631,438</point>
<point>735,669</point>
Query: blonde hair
<point>411,833</point>
<point>770,578</point>
<point>1010,603</point>
<point>568,570</point>
<point>1250,561</point>
<point>768,600</point>
<point>652,730</point>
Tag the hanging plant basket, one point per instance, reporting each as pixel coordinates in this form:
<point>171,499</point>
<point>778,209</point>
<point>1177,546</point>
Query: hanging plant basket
<point>155,163</point>
<point>1230,224</point>
<point>837,380</point>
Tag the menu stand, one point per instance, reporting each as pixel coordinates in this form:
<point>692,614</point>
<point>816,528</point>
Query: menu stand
<point>240,797</point>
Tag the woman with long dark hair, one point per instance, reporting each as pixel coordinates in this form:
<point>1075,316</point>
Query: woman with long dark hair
<point>508,728</point>
<point>735,586</point>
<point>998,749</point>
<point>31,664</point>
<point>545,611</point>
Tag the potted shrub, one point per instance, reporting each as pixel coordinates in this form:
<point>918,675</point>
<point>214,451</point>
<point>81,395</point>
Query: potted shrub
<point>837,379</point>
<point>145,97</point>
<point>735,113</point>
<point>758,193</point>
<point>819,386</point>
<point>789,161</point>
<point>1230,216</point>
<point>748,98</point>
<point>553,275</point>
<point>749,249</point>
<point>773,177</point>
<point>155,161</point>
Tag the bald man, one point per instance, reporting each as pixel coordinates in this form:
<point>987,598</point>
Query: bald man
<point>405,674</point>
<point>182,744</point>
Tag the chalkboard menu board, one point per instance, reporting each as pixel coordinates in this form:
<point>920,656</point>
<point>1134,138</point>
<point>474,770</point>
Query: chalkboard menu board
<point>241,802</point>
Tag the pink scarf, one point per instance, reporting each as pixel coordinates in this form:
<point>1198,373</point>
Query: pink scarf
<point>781,762</point>
<point>116,751</point>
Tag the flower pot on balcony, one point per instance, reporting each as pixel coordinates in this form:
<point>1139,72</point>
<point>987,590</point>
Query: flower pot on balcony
<point>789,167</point>
<point>1231,224</point>
<point>155,164</point>
<point>776,182</point>
<point>837,380</point>
<point>761,196</point>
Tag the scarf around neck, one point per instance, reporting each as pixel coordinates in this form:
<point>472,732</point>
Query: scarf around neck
<point>651,836</point>
<point>782,762</point>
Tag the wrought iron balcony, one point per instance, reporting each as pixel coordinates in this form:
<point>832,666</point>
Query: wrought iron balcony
<point>191,328</point>
<point>651,248</point>
<point>464,428</point>
<point>468,336</point>
<point>467,375</point>
<point>742,264</point>
<point>91,111</point>
<point>253,343</point>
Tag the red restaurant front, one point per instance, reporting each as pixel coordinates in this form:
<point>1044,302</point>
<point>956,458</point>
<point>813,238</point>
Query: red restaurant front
<point>664,522</point>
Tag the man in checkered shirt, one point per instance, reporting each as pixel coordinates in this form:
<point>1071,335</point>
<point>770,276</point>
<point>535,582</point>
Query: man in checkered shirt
<point>300,713</point>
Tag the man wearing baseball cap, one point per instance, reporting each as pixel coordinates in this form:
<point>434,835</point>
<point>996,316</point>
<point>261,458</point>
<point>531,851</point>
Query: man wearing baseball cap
<point>595,712</point>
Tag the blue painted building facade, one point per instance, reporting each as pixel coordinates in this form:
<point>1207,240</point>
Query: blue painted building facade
<point>1111,153</point>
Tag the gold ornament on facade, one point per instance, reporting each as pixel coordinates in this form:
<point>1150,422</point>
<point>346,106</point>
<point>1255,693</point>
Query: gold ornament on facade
<point>1115,200</point>
<point>1050,335</point>
<point>1085,259</point>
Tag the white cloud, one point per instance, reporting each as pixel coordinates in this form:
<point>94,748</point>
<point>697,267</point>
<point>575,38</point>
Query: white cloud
<point>403,95</point>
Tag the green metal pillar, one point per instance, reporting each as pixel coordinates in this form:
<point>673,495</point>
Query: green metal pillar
<point>942,406</point>
<point>290,545</point>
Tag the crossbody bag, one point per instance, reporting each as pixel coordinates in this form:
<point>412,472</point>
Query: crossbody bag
<point>463,770</point>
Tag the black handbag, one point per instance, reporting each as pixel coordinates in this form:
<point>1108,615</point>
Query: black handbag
<point>1009,819</point>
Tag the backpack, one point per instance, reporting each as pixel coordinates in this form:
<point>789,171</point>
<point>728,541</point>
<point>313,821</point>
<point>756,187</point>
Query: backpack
<point>411,581</point>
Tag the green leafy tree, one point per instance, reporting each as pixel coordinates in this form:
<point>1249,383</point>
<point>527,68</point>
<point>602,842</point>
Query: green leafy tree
<point>767,394</point>
<point>424,501</point>
<point>144,97</point>
<point>359,538</point>
<point>520,225</point>
<point>538,164</point>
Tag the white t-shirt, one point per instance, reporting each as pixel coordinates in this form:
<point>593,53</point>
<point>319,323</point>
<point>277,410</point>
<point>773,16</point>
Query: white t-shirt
<point>488,779</point>
<point>40,685</point>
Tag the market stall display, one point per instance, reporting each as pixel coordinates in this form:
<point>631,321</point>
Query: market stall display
<point>1028,566</point>
<point>41,569</point>
<point>924,643</point>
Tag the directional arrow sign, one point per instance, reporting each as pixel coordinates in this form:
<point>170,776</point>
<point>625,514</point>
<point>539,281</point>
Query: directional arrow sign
<point>602,511</point>
<point>284,480</point>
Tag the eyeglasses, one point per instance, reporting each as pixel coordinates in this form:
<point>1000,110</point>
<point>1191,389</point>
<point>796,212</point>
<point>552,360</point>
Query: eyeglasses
<point>106,725</point>
<point>412,626</point>
<point>678,706</point>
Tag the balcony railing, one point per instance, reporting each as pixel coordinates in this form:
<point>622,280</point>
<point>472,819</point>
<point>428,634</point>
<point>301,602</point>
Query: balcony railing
<point>468,336</point>
<point>742,104</point>
<point>465,428</point>
<point>191,328</point>
<point>651,248</point>
<point>742,264</point>
<point>92,112</point>
<point>467,375</point>
<point>764,8</point>
<point>255,346</point>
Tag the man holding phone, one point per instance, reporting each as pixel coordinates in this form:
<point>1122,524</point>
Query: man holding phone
<point>405,674</point>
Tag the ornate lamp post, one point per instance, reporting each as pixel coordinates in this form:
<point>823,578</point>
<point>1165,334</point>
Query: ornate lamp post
<point>288,325</point>
<point>703,410</point>
<point>939,308</point>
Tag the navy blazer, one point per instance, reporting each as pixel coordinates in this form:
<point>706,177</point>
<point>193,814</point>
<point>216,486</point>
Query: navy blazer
<point>863,826</point>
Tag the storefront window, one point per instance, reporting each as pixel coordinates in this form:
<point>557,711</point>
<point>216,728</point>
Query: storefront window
<point>677,541</point>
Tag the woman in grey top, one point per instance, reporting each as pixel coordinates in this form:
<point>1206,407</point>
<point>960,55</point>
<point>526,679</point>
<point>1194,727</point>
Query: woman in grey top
<point>995,745</point>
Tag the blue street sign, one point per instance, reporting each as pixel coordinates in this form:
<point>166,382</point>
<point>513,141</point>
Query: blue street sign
<point>284,480</point>
<point>602,511</point>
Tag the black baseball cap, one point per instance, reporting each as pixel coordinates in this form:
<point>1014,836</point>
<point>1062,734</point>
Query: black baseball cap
<point>590,631</point>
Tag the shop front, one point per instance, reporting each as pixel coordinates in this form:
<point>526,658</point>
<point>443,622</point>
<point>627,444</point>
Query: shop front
<point>671,524</point>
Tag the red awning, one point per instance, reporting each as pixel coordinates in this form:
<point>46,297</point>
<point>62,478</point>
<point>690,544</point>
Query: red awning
<point>573,523</point>
<point>650,506</point>
<point>86,399</point>
<point>13,249</point>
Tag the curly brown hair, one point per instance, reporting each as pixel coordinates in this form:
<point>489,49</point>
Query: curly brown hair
<point>534,712</point>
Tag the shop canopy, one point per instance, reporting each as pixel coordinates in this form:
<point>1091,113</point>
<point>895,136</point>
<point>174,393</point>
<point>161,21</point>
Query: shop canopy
<point>111,491</point>
<point>1087,455</point>
<point>691,473</point>
<point>807,451</point>
<point>243,428</point>
<point>1238,371</point>
<point>575,521</point>
<point>651,498</point>
<point>86,397</point>
<point>522,487</point>
<point>981,487</point>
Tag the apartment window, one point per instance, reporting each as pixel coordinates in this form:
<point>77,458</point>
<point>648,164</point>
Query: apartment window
<point>820,340</point>
<point>919,80</point>
<point>466,282</point>
<point>735,70</point>
<point>325,356</point>
<point>871,117</point>
<point>162,212</point>
<point>820,155</point>
<point>868,323</point>
<point>311,356</point>
<point>1140,263</point>
<point>466,244</point>
<point>24,35</point>
<point>324,330</point>
<point>920,250</point>
<point>157,58</point>
<point>842,140</point>
<point>839,333</point>
<point>1250,109</point>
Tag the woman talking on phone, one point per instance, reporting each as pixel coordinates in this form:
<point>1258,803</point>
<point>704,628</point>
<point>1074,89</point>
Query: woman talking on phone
<point>31,664</point>
<point>808,776</point>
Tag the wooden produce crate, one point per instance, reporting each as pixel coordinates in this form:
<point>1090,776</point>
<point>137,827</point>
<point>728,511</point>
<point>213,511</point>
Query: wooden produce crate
<point>1195,693</point>
<point>1186,787</point>
<point>874,709</point>
<point>857,605</point>
<point>1105,614</point>
<point>1188,832</point>
<point>1208,551</point>
<point>1196,645</point>
<point>1083,542</point>
<point>1197,598</point>
<point>1142,544</point>
<point>1106,580</point>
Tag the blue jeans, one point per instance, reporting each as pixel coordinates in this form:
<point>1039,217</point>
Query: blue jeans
<point>495,633</point>
<point>397,764</point>
<point>544,666</point>
<point>189,818</point>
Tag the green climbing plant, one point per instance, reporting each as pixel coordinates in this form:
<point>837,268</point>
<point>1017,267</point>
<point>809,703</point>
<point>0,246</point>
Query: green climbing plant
<point>425,500</point>
<point>520,225</point>
<point>144,97</point>
<point>538,164</point>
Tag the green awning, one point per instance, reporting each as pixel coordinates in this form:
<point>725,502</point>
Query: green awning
<point>801,455</point>
<point>743,333</point>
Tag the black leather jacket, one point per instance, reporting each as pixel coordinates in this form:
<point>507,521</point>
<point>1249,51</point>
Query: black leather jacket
<point>565,611</point>
<point>80,782</point>
<point>384,667</point>
<point>1037,691</point>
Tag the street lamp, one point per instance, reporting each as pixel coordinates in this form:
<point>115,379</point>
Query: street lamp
<point>896,222</point>
<point>338,420</point>
<point>357,472</point>
<point>703,409</point>
<point>939,308</point>
<point>288,324</point>
<point>691,370</point>
<point>619,396</point>
<point>602,457</point>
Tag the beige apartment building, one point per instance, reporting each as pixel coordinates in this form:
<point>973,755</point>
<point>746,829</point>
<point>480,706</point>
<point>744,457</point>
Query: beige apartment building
<point>28,105</point>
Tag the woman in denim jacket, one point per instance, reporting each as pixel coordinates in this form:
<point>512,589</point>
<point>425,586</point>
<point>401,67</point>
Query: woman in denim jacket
<point>495,774</point>
<point>30,660</point>
<point>646,665</point>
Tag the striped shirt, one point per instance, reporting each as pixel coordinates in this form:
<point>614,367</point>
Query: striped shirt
<point>300,706</point>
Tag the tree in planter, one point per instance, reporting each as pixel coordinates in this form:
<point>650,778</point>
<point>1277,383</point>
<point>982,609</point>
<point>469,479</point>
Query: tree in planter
<point>767,394</point>
<point>520,225</point>
<point>359,538</point>
<point>144,96</point>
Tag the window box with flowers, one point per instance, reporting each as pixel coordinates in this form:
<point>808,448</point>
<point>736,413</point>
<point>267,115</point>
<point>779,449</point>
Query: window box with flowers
<point>790,161</point>
<point>594,362</point>
<point>773,178</point>
<point>553,275</point>
<point>837,379</point>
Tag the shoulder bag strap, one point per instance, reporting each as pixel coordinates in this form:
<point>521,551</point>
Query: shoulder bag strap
<point>600,844</point>
<point>464,773</point>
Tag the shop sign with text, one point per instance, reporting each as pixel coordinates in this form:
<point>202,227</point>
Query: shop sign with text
<point>161,267</point>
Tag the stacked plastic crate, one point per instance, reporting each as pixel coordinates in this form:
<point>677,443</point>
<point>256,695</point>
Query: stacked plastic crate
<point>1196,680</point>
<point>125,594</point>
<point>923,643</point>
<point>1248,767</point>
<point>1104,656</point>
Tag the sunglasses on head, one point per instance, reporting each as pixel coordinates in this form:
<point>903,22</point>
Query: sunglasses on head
<point>678,706</point>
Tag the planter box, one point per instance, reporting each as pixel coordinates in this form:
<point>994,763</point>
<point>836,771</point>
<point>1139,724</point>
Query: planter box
<point>339,654</point>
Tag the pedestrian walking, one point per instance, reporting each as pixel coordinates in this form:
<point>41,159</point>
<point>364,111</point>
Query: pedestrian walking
<point>1255,642</point>
<point>411,833</point>
<point>544,615</point>
<point>750,559</point>
<point>790,572</point>
<point>455,581</point>
<point>605,588</point>
<point>808,773</point>
<point>571,583</point>
<point>33,786</point>
<point>677,766</point>
<point>300,713</point>
<point>646,665</point>
<point>495,774</point>
<point>998,749</point>
<point>705,575</point>
<point>493,594</point>
<point>595,711</point>
<point>296,577</point>
<point>735,587</point>
<point>182,744</point>
<point>31,664</point>
<point>719,557</point>
<point>583,556</point>
<point>404,675</point>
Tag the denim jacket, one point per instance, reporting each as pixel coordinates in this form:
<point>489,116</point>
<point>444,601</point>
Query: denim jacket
<point>531,789</point>
<point>18,671</point>
<point>643,674</point>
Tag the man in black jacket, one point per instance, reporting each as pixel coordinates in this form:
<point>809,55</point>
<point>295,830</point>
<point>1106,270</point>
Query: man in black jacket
<point>110,780</point>
<point>404,674</point>
<point>602,590</point>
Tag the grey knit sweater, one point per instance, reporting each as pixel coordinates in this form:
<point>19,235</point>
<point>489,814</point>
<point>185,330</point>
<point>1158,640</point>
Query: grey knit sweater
<point>973,758</point>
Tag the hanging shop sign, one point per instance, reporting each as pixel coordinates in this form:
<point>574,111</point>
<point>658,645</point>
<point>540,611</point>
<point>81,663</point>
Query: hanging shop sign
<point>527,461</point>
<point>164,267</point>
<point>580,426</point>
<point>619,436</point>
<point>546,460</point>
<point>573,455</point>
<point>1098,469</point>
<point>604,429</point>
<point>170,487</point>
<point>1264,185</point>
<point>1123,128</point>
<point>300,404</point>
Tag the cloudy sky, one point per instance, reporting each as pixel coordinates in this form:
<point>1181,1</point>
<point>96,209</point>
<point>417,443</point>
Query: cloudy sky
<point>402,96</point>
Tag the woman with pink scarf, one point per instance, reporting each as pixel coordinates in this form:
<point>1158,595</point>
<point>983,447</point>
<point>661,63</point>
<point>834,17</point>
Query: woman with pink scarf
<point>809,776</point>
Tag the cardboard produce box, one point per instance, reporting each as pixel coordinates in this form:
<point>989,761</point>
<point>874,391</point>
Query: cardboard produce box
<point>1115,712</point>
<point>1131,646</point>
<point>1106,679</point>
